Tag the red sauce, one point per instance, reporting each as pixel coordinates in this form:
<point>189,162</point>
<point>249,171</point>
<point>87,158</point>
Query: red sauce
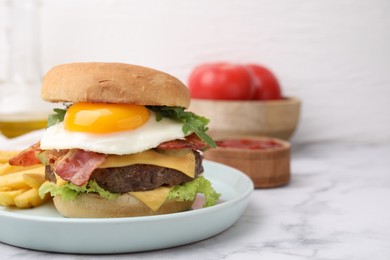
<point>248,144</point>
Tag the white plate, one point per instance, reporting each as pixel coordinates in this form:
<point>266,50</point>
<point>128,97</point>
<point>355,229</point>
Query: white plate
<point>44,229</point>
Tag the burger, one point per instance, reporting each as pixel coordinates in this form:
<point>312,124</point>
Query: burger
<point>122,145</point>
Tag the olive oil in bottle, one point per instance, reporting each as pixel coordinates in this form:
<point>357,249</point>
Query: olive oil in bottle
<point>16,128</point>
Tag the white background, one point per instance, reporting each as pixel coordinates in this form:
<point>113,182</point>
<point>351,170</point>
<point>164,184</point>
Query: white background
<point>334,55</point>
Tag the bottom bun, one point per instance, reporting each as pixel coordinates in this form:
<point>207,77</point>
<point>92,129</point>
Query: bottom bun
<point>94,206</point>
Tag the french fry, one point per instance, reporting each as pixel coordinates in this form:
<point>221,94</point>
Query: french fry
<point>6,155</point>
<point>34,179</point>
<point>13,181</point>
<point>28,199</point>
<point>19,185</point>
<point>7,197</point>
<point>7,169</point>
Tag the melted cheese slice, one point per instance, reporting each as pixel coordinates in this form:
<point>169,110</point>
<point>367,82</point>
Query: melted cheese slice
<point>60,181</point>
<point>184,163</point>
<point>153,198</point>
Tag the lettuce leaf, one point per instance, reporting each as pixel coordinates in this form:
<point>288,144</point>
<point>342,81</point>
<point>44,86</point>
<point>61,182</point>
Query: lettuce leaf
<point>191,122</point>
<point>188,191</point>
<point>69,191</point>
<point>43,158</point>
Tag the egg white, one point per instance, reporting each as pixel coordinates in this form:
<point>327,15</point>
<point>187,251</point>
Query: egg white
<point>148,136</point>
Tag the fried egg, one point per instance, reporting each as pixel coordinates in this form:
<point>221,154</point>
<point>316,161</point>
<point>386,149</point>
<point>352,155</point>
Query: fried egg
<point>110,129</point>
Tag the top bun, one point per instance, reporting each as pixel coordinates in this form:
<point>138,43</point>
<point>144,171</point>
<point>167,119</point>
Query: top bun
<point>99,82</point>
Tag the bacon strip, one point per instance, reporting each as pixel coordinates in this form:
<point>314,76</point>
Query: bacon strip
<point>27,157</point>
<point>77,165</point>
<point>192,141</point>
<point>53,155</point>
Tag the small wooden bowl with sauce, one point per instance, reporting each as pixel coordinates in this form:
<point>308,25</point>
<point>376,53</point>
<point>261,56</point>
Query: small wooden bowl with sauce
<point>265,160</point>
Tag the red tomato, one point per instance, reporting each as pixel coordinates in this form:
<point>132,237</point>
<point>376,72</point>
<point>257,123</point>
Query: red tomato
<point>266,85</point>
<point>221,81</point>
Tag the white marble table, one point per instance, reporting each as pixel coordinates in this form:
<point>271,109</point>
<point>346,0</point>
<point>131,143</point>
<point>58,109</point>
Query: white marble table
<point>337,206</point>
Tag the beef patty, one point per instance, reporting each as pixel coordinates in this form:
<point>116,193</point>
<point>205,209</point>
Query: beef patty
<point>138,177</point>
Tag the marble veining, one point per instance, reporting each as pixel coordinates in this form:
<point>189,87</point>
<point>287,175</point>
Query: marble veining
<point>337,206</point>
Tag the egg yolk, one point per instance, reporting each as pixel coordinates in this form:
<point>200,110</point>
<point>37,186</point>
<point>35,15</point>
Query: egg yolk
<point>104,118</point>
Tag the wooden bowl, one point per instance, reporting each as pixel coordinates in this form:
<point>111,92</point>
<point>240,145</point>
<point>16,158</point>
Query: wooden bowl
<point>266,167</point>
<point>274,118</point>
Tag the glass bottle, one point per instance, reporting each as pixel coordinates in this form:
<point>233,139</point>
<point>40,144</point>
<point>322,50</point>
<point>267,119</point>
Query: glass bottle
<point>21,108</point>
